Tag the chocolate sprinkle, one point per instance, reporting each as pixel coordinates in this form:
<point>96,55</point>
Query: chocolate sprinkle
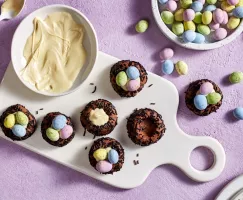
<point>86,148</point>
<point>36,112</point>
<point>41,108</point>
<point>137,155</point>
<point>94,90</point>
<point>134,162</point>
<point>152,103</point>
<point>91,83</point>
<point>150,85</point>
<point>84,132</point>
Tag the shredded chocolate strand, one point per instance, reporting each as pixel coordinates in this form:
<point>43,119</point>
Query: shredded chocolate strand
<point>94,90</point>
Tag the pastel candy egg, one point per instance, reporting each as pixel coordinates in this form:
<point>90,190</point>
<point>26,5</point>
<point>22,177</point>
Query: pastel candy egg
<point>197,6</point>
<point>52,134</point>
<point>167,17</point>
<point>214,26</point>
<point>66,132</point>
<point>132,73</point>
<point>213,98</point>
<point>21,118</point>
<point>108,149</point>
<point>179,15</point>
<point>162,1</point>
<point>171,5</point>
<point>167,67</point>
<point>185,3</point>
<point>121,78</point>
<point>202,1</point>
<point>178,28</point>
<point>189,36</point>
<point>206,88</point>
<point>189,25</point>
<point>199,38</point>
<point>218,16</point>
<point>133,85</point>
<point>166,53</point>
<point>220,34</point>
<point>238,113</point>
<point>211,1</point>
<point>238,12</point>
<point>103,166</point>
<point>142,26</point>
<point>236,77</point>
<point>188,15</point>
<point>207,17</point>
<point>200,102</point>
<point>198,18</point>
<point>9,121</point>
<point>226,7</point>
<point>59,122</point>
<point>240,3</point>
<point>233,23</point>
<point>100,154</point>
<point>210,8</point>
<point>233,2</point>
<point>203,29</point>
<point>113,156</point>
<point>181,68</point>
<point>226,18</point>
<point>19,130</point>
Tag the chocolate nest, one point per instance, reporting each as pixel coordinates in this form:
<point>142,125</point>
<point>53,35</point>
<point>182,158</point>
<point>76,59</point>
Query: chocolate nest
<point>122,66</point>
<point>191,93</point>
<point>145,127</point>
<point>104,143</point>
<point>31,127</point>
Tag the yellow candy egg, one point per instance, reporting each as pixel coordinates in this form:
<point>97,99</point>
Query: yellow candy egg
<point>189,25</point>
<point>100,154</point>
<point>179,15</point>
<point>233,23</point>
<point>181,68</point>
<point>226,7</point>
<point>9,121</point>
<point>240,3</point>
<point>207,17</point>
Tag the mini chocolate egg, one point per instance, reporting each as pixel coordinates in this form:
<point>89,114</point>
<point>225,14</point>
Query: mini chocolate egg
<point>197,6</point>
<point>203,29</point>
<point>162,1</point>
<point>218,16</point>
<point>167,17</point>
<point>19,130</point>
<point>100,154</point>
<point>233,23</point>
<point>9,121</point>
<point>236,77</point>
<point>238,113</point>
<point>188,15</point>
<point>200,102</point>
<point>179,15</point>
<point>226,18</point>
<point>52,134</point>
<point>185,3</point>
<point>233,2</point>
<point>210,8</point>
<point>206,88</point>
<point>132,73</point>
<point>113,156</point>
<point>199,38</point>
<point>108,149</point>
<point>66,132</point>
<point>121,78</point>
<point>211,2</point>
<point>214,26</point>
<point>59,122</point>
<point>198,18</point>
<point>207,17</point>
<point>189,25</point>
<point>178,28</point>
<point>181,68</point>
<point>189,36</point>
<point>166,53</point>
<point>220,34</point>
<point>142,26</point>
<point>213,98</point>
<point>167,67</point>
<point>103,166</point>
<point>226,7</point>
<point>21,118</point>
<point>171,5</point>
<point>133,85</point>
<point>238,12</point>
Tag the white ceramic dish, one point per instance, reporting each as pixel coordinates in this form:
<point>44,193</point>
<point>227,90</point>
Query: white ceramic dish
<point>206,46</point>
<point>174,147</point>
<point>25,29</point>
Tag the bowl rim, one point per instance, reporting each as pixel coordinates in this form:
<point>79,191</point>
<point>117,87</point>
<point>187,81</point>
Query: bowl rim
<point>206,46</point>
<point>93,58</point>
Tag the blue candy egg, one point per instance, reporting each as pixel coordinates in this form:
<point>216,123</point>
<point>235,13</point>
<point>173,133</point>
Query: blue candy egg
<point>189,36</point>
<point>210,8</point>
<point>132,73</point>
<point>238,12</point>
<point>59,122</point>
<point>197,6</point>
<point>113,156</point>
<point>200,102</point>
<point>199,38</point>
<point>162,1</point>
<point>238,113</point>
<point>167,67</point>
<point>19,130</point>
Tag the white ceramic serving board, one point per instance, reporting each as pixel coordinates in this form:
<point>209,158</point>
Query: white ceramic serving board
<point>174,148</point>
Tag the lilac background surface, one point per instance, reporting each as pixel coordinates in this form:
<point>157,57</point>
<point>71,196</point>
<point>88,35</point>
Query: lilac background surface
<point>25,175</point>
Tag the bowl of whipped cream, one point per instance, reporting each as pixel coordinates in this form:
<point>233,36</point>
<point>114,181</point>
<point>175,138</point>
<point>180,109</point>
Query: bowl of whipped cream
<point>54,49</point>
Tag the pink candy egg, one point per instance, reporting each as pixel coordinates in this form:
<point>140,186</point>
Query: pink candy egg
<point>214,26</point>
<point>220,34</point>
<point>66,132</point>
<point>171,5</point>
<point>188,15</point>
<point>233,2</point>
<point>206,88</point>
<point>103,166</point>
<point>226,18</point>
<point>166,54</point>
<point>133,85</point>
<point>218,16</point>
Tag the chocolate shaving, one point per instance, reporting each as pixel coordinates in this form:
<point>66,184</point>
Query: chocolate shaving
<point>137,155</point>
<point>94,137</point>
<point>86,148</point>
<point>94,90</point>
<point>137,162</point>
<point>91,83</point>
<point>150,85</point>
<point>134,162</point>
<point>41,108</point>
<point>36,112</point>
<point>84,132</point>
<point>152,103</point>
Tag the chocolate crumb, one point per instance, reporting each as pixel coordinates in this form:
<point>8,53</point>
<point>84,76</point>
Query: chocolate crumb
<point>91,83</point>
<point>137,162</point>
<point>94,90</point>
<point>86,148</point>
<point>152,103</point>
<point>84,132</point>
<point>94,137</point>
<point>137,154</point>
<point>36,112</point>
<point>150,85</point>
<point>134,162</point>
<point>41,108</point>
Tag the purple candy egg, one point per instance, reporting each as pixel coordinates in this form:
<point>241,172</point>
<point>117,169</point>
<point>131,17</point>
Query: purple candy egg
<point>218,16</point>
<point>188,15</point>
<point>233,2</point>
<point>220,34</point>
<point>133,85</point>
<point>226,18</point>
<point>214,26</point>
<point>171,5</point>
<point>166,54</point>
<point>66,132</point>
<point>206,88</point>
<point>103,166</point>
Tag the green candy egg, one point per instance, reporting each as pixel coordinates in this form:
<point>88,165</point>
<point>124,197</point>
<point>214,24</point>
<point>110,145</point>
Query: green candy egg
<point>142,26</point>
<point>167,17</point>
<point>213,98</point>
<point>185,3</point>
<point>52,134</point>
<point>211,2</point>
<point>203,29</point>
<point>21,118</point>
<point>236,77</point>
<point>9,121</point>
<point>198,18</point>
<point>100,154</point>
<point>121,79</point>
<point>178,28</point>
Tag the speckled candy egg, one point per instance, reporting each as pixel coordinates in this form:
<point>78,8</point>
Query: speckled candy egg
<point>167,17</point>
<point>238,12</point>
<point>121,78</point>
<point>162,1</point>
<point>202,1</point>
<point>133,85</point>
<point>177,28</point>
<point>66,132</point>
<point>113,156</point>
<point>203,29</point>
<point>233,2</point>
<point>132,73</point>
<point>189,25</point>
<point>200,102</point>
<point>181,68</point>
<point>206,88</point>
<point>210,8</point>
<point>199,39</point>
<point>198,18</point>
<point>21,118</point>
<point>166,53</point>
<point>52,134</point>
<point>233,23</point>
<point>207,17</point>
<point>100,154</point>
<point>167,67</point>
<point>171,5</point>
<point>218,16</point>
<point>226,18</point>
<point>185,3</point>
<point>197,6</point>
<point>213,98</point>
<point>179,15</point>
<point>189,36</point>
<point>188,15</point>
<point>238,113</point>
<point>236,77</point>
<point>59,122</point>
<point>142,26</point>
<point>214,26</point>
<point>220,34</point>
<point>103,166</point>
<point>9,121</point>
<point>19,130</point>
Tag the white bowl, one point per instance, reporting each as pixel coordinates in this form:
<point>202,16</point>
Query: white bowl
<point>205,46</point>
<point>25,29</point>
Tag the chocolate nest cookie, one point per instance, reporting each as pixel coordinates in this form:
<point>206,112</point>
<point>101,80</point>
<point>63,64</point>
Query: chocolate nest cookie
<point>145,127</point>
<point>29,127</point>
<point>112,145</point>
<point>99,117</point>
<point>133,71</point>
<point>57,136</point>
<point>192,91</point>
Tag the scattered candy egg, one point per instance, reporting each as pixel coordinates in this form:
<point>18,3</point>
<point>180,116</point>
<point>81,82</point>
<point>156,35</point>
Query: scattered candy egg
<point>52,134</point>
<point>185,3</point>
<point>19,130</point>
<point>189,25</point>
<point>66,132</point>
<point>214,26</point>
<point>100,154</point>
<point>166,53</point>
<point>226,7</point>
<point>236,77</point>
<point>21,118</point>
<point>238,113</point>
<point>200,102</point>
<point>103,166</point>
<point>167,67</point>
<point>167,17</point>
<point>238,12</point>
<point>218,16</point>
<point>59,122</point>
<point>132,73</point>
<point>197,6</point>
<point>233,2</point>
<point>171,5</point>
<point>121,78</point>
<point>213,98</point>
<point>199,38</point>
<point>108,149</point>
<point>206,88</point>
<point>233,23</point>
<point>133,85</point>
<point>179,15</point>
<point>142,26</point>
<point>210,8</point>
<point>207,17</point>
<point>113,156</point>
<point>203,29</point>
<point>220,34</point>
<point>188,15</point>
<point>9,121</point>
<point>162,1</point>
<point>181,68</point>
<point>189,36</point>
<point>226,18</point>
<point>198,18</point>
<point>178,28</point>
